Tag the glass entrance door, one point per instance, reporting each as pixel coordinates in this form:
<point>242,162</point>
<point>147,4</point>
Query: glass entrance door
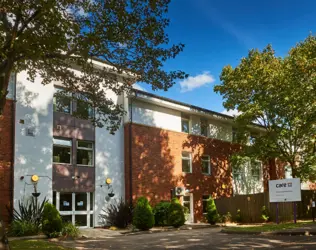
<point>188,203</point>
<point>76,208</point>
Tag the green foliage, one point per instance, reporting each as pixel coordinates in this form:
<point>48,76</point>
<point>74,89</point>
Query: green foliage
<point>278,94</point>
<point>238,216</point>
<point>265,214</point>
<point>227,218</point>
<point>70,230</point>
<point>118,214</point>
<point>29,212</point>
<point>127,35</point>
<point>143,217</point>
<point>212,215</point>
<point>161,211</point>
<point>176,216</point>
<point>23,228</point>
<point>51,221</point>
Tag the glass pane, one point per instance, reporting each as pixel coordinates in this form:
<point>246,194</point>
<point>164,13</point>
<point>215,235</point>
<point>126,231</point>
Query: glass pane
<point>54,198</point>
<point>185,154</point>
<point>65,202</point>
<point>91,220</point>
<point>81,220</point>
<point>186,166</point>
<point>91,201</point>
<point>85,144</point>
<point>205,168</point>
<point>62,104</point>
<point>84,157</point>
<point>61,154</point>
<point>185,126</point>
<point>84,109</point>
<point>62,142</point>
<point>205,158</point>
<point>186,198</point>
<point>204,206</point>
<point>204,130</point>
<point>66,218</point>
<point>205,197</point>
<point>81,201</point>
<point>187,204</point>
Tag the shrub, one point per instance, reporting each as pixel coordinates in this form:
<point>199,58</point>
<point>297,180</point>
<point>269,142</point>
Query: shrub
<point>143,217</point>
<point>161,213</point>
<point>70,230</point>
<point>212,215</point>
<point>176,213</point>
<point>51,221</point>
<point>227,217</point>
<point>23,228</point>
<point>118,214</point>
<point>265,214</point>
<point>238,216</point>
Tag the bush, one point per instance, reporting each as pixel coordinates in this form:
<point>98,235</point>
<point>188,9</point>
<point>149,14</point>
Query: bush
<point>51,221</point>
<point>265,214</point>
<point>161,211</point>
<point>212,215</point>
<point>118,214</point>
<point>238,216</point>
<point>143,217</point>
<point>23,228</point>
<point>227,217</point>
<point>70,230</point>
<point>176,214</point>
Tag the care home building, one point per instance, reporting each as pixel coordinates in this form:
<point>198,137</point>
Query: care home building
<point>162,148</point>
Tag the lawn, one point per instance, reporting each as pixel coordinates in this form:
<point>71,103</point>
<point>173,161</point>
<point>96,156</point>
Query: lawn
<point>268,227</point>
<point>35,244</point>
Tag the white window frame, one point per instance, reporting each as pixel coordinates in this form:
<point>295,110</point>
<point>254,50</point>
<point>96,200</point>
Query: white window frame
<point>209,164</point>
<point>58,89</point>
<point>186,158</point>
<point>55,143</point>
<point>87,149</point>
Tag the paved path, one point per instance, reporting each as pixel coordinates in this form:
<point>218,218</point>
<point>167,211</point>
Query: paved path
<point>210,238</point>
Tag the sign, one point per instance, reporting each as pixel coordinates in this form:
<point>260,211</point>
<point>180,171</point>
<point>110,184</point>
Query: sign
<point>285,190</point>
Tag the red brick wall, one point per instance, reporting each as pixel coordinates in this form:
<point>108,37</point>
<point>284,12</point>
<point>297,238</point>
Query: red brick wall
<point>157,165</point>
<point>6,143</point>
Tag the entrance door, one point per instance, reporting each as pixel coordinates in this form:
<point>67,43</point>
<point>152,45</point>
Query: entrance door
<point>76,208</point>
<point>188,203</point>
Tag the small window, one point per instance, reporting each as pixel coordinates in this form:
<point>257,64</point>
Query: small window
<point>255,170</point>
<point>186,162</point>
<point>62,151</point>
<point>206,164</point>
<point>185,123</point>
<point>234,135</point>
<point>204,126</point>
<point>61,103</point>
<point>204,202</point>
<point>85,153</point>
<point>253,137</point>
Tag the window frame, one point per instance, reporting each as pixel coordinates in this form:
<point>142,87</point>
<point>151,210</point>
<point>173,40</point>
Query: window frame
<point>205,200</point>
<point>258,176</point>
<point>87,149</point>
<point>209,164</point>
<point>186,158</point>
<point>183,119</point>
<point>57,89</point>
<point>83,101</point>
<point>63,146</point>
<point>204,123</point>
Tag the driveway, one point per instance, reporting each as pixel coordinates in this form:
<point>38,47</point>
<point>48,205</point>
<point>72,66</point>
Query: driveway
<point>209,238</point>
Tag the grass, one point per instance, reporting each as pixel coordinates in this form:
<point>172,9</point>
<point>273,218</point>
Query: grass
<point>35,244</point>
<point>268,227</point>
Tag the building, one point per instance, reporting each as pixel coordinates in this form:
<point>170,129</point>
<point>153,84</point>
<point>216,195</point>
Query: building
<point>163,148</point>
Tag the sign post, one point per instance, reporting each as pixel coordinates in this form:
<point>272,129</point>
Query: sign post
<point>285,190</point>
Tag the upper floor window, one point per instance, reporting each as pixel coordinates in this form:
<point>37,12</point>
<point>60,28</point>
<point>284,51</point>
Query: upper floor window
<point>84,108</point>
<point>186,162</point>
<point>234,135</point>
<point>185,121</point>
<point>62,151</point>
<point>204,126</point>
<point>206,164</point>
<point>85,152</point>
<point>61,103</point>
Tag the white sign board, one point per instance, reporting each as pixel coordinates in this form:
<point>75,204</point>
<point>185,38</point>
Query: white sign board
<point>285,190</point>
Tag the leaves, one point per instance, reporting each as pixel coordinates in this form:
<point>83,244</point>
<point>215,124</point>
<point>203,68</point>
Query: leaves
<point>278,94</point>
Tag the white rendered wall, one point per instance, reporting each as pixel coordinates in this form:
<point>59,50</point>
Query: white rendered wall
<point>109,163</point>
<point>33,154</point>
<point>156,116</point>
<point>220,131</point>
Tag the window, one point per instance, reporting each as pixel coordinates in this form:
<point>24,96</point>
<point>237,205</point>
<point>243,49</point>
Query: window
<point>252,138</point>
<point>84,153</point>
<point>255,170</point>
<point>204,203</point>
<point>234,135</point>
<point>62,151</point>
<point>185,123</point>
<point>186,162</point>
<point>204,126</point>
<point>206,165</point>
<point>61,102</point>
<point>84,110</point>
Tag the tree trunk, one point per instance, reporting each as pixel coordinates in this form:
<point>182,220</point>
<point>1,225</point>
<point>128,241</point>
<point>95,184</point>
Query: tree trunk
<point>4,243</point>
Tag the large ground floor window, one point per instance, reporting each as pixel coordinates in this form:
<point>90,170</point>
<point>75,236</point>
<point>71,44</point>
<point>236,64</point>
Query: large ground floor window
<point>75,207</point>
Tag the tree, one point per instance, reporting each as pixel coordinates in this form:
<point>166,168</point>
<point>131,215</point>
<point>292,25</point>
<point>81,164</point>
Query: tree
<point>278,94</point>
<point>48,38</point>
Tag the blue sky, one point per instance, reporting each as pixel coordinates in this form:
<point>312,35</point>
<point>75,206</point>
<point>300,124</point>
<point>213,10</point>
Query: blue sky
<point>220,32</point>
